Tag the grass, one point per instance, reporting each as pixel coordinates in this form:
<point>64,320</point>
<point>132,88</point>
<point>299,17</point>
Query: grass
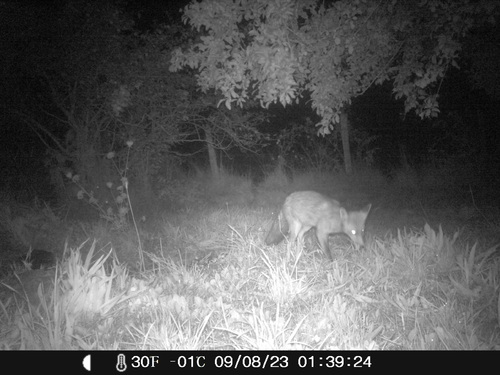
<point>209,282</point>
<point>413,290</point>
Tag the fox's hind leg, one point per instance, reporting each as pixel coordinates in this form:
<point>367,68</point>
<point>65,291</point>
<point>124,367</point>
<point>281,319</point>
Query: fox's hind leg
<point>297,231</point>
<point>295,227</point>
<point>300,239</point>
<point>322,236</point>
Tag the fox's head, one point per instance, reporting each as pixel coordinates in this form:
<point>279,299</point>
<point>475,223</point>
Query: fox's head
<point>353,224</point>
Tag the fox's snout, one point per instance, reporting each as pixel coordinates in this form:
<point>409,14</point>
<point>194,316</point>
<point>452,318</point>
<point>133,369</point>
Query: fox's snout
<point>356,237</point>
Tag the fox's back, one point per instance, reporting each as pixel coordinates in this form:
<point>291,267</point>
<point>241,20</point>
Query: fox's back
<point>309,207</point>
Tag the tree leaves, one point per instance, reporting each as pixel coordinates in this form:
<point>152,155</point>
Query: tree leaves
<point>271,50</point>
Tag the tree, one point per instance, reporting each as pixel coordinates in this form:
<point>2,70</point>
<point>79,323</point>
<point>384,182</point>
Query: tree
<point>221,130</point>
<point>88,84</point>
<point>58,66</point>
<point>274,50</point>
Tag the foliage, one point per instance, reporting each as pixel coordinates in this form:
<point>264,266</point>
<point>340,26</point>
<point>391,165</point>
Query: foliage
<point>301,149</point>
<point>99,84</point>
<point>71,67</point>
<point>116,211</point>
<point>95,84</point>
<point>274,50</point>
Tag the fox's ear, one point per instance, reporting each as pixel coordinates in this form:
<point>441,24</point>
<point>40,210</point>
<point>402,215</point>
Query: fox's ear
<point>367,208</point>
<point>343,213</point>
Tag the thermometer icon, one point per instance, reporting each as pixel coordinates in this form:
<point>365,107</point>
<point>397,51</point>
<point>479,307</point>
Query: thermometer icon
<point>121,365</point>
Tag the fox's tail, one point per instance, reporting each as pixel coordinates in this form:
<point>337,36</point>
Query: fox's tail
<point>278,230</point>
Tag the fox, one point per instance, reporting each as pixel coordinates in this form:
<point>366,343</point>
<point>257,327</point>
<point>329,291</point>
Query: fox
<point>304,210</point>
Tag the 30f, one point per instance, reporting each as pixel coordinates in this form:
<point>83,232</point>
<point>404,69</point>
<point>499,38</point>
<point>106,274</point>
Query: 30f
<point>145,361</point>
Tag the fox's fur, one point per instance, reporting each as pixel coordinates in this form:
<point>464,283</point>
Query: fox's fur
<point>304,210</point>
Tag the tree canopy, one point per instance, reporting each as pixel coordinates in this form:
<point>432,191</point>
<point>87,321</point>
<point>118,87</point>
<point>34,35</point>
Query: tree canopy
<point>275,50</point>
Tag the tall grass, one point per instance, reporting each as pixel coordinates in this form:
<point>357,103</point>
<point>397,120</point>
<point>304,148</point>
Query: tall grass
<point>411,290</point>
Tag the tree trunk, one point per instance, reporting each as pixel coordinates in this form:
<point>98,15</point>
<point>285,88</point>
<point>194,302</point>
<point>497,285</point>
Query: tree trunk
<point>344,132</point>
<point>212,157</point>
